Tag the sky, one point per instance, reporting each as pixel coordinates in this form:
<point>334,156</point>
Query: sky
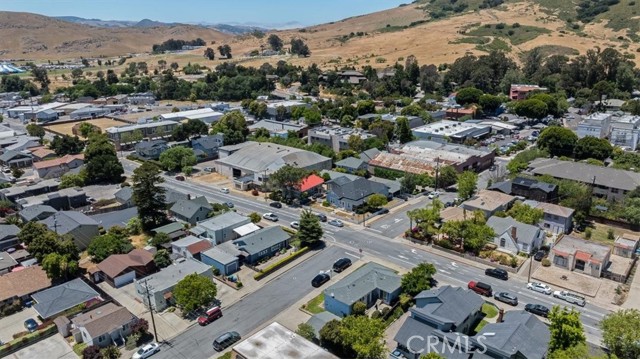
<point>305,12</point>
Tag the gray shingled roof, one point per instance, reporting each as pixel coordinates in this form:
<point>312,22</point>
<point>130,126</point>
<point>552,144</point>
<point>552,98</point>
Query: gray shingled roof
<point>410,328</point>
<point>369,154</point>
<point>534,184</point>
<point>504,187</point>
<point>260,240</point>
<point>38,211</point>
<point>62,297</point>
<point>350,162</point>
<point>525,233</point>
<point>8,231</point>
<point>189,208</point>
<point>220,256</point>
<point>208,142</point>
<point>363,281</point>
<point>150,144</point>
<point>8,155</point>
<point>124,194</point>
<point>6,261</point>
<point>258,157</point>
<point>172,196</point>
<point>318,321</point>
<point>66,221</point>
<point>585,173</point>
<point>447,304</point>
<point>355,190</point>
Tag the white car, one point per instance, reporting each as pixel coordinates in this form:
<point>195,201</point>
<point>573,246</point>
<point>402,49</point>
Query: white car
<point>146,351</point>
<point>570,297</point>
<point>224,190</point>
<point>539,287</point>
<point>270,216</point>
<point>295,225</point>
<point>434,194</point>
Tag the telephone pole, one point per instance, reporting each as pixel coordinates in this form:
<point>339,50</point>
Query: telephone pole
<point>437,170</point>
<point>153,322</point>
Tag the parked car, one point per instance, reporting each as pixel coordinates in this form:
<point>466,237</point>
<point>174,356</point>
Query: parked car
<point>336,222</point>
<point>229,204</point>
<point>321,217</point>
<point>146,351</point>
<point>224,190</point>
<point>540,255</point>
<point>539,287</point>
<point>537,309</point>
<point>570,297</point>
<point>295,225</point>
<point>210,315</point>
<point>208,169</point>
<point>382,211</point>
<point>180,178</point>
<point>31,325</point>
<point>492,168</point>
<point>320,279</point>
<point>497,273</point>
<point>506,298</point>
<point>225,340</point>
<point>275,204</point>
<point>481,288</point>
<point>270,216</point>
<point>433,195</point>
<point>341,264</point>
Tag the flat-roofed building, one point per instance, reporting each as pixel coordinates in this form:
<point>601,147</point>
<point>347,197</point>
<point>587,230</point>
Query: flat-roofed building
<point>452,131</point>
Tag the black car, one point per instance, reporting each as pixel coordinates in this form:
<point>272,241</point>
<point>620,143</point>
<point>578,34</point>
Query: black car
<point>497,273</point>
<point>537,309</point>
<point>276,204</point>
<point>540,255</point>
<point>383,211</point>
<point>506,298</point>
<point>225,340</point>
<point>341,264</point>
<point>320,279</point>
<point>321,217</point>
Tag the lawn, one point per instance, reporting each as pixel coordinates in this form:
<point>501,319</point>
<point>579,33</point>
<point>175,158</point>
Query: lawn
<point>78,348</point>
<point>480,325</point>
<point>315,305</point>
<point>489,310</point>
<point>226,355</point>
<point>600,233</point>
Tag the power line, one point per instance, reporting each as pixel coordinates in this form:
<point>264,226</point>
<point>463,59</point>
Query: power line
<point>153,322</point>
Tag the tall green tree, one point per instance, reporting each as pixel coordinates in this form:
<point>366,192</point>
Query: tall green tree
<point>447,176</point>
<point>557,141</point>
<point>210,53</point>
<point>364,335</point>
<point>86,129</point>
<point>580,351</point>
<point>566,329</point>
<point>468,95</point>
<point>592,147</point>
<point>306,331</point>
<point>148,195</point>
<point>178,158</point>
<point>403,130</point>
<point>67,145</point>
<point>233,126</point>
<point>376,200</point>
<point>275,42</point>
<point>621,333</point>
<point>59,266</point>
<point>287,179</point>
<point>161,258</point>
<point>418,279</point>
<point>467,184</point>
<point>101,161</point>
<point>526,214</point>
<point>35,130</point>
<point>43,245</point>
<point>310,231</point>
<point>30,231</point>
<point>194,291</point>
<point>531,108</point>
<point>113,242</point>
<point>70,180</point>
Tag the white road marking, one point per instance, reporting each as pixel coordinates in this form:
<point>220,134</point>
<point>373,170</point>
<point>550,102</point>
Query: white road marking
<point>403,257</point>
<point>444,271</point>
<point>385,226</point>
<point>453,264</point>
<point>375,230</point>
<point>353,255</point>
<point>328,232</point>
<point>392,257</point>
<point>398,220</point>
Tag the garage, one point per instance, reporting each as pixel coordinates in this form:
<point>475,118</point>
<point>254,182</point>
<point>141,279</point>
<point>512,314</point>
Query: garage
<point>124,279</point>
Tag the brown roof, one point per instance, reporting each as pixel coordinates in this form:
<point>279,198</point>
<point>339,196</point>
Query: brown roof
<point>199,247</point>
<point>117,263</point>
<point>554,209</point>
<point>26,281</point>
<point>41,152</point>
<point>454,214</point>
<point>57,161</point>
<point>103,320</point>
<point>489,200</point>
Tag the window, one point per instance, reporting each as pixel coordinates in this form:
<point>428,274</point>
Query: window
<point>503,242</point>
<point>525,247</point>
<point>614,190</point>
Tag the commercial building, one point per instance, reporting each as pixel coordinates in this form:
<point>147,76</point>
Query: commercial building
<point>595,125</point>
<point>625,132</point>
<point>335,137</point>
<point>280,129</point>
<point>206,115</point>
<point>152,130</point>
<point>452,131</point>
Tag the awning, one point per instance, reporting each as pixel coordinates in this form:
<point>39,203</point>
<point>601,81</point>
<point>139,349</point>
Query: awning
<point>246,229</point>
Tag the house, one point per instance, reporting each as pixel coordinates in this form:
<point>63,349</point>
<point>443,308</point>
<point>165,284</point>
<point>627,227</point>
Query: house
<point>520,335</point>
<point>349,193</point>
<point>55,300</point>
<point>79,226</point>
<point>280,128</point>
<point>16,159</point>
<point>190,247</point>
<point>124,196</point>
<point>23,143</point>
<point>109,324</point>
<point>225,262</point>
<point>454,214</point>
<point>528,188</point>
<point>352,165</point>
<point>514,237</point>
<point>520,91</point>
<point>121,269</point>
<point>452,131</point>
<point>489,202</point>
<point>581,256</point>
<point>335,137</point>
<point>206,147</point>
<point>63,199</point>
<point>172,196</point>
<point>41,153</point>
<point>19,285</point>
<point>312,184</point>
<point>8,236</point>
<point>262,244</point>
<point>151,130</point>
<point>151,149</point>
<point>276,341</point>
<point>57,167</point>
<point>221,228</point>
<point>368,284</point>
<point>191,211</point>
<point>556,219</point>
<point>174,230</point>
<point>626,245</point>
<point>160,284</point>
<point>142,98</point>
<point>437,312</point>
<point>15,193</point>
<point>7,263</point>
<point>369,154</point>
<point>609,183</point>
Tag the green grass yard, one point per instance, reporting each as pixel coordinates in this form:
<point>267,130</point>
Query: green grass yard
<point>315,305</point>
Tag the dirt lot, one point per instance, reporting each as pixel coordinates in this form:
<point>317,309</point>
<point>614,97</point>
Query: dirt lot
<point>212,178</point>
<point>65,128</point>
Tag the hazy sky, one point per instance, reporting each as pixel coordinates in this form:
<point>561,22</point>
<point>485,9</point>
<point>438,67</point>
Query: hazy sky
<point>307,12</point>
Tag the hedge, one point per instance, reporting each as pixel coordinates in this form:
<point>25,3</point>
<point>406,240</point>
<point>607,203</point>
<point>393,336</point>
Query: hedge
<point>26,340</point>
<point>279,264</point>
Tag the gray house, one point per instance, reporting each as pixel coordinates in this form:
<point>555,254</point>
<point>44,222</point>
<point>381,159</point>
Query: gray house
<point>515,237</point>
<point>352,164</point>
<point>36,212</point>
<point>348,193</point>
<point>190,247</point>
<point>124,196</point>
<point>79,226</point>
<point>16,159</point>
<point>221,228</point>
<point>206,147</point>
<point>56,300</point>
<point>368,284</point>
<point>103,326</point>
<point>557,219</point>
<point>151,149</point>
<point>8,236</point>
<point>191,211</point>
<point>262,244</point>
<point>225,262</point>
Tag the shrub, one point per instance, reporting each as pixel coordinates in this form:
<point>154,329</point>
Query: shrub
<point>239,285</point>
<point>504,260</point>
<point>255,192</point>
<point>375,315</point>
<point>359,308</point>
<point>405,301</point>
<point>588,233</point>
<point>277,265</point>
<point>546,262</point>
<point>385,311</point>
<point>216,272</point>
<point>514,262</point>
<point>610,234</point>
<point>325,203</point>
<point>500,26</point>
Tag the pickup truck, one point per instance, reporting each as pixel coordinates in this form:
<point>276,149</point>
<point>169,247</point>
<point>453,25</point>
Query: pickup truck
<point>570,297</point>
<point>481,288</point>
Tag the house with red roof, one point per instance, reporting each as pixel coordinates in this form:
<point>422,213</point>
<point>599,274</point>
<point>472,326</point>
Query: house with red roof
<point>312,184</point>
<point>581,256</point>
<point>59,166</point>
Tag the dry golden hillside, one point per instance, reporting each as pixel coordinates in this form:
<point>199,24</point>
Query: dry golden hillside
<point>36,37</point>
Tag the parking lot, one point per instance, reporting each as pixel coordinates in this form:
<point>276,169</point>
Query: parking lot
<point>54,347</point>
<point>15,323</point>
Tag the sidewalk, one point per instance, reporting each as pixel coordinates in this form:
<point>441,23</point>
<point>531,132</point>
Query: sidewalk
<point>633,297</point>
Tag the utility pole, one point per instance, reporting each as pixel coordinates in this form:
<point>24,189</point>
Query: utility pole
<point>153,322</point>
<point>530,265</point>
<point>437,172</point>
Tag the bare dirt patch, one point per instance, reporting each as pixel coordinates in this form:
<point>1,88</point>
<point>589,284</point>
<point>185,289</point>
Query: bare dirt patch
<point>66,128</point>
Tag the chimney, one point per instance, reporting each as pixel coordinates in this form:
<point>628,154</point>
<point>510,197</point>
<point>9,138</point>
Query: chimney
<point>500,316</point>
<point>514,233</point>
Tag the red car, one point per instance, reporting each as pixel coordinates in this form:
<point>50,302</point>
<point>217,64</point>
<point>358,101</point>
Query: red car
<point>210,315</point>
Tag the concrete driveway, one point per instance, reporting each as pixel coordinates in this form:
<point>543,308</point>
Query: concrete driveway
<point>15,323</point>
<point>54,347</point>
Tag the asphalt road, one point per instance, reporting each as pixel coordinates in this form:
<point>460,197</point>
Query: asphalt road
<point>256,308</point>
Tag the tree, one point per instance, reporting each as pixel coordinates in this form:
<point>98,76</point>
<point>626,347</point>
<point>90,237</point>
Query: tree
<point>225,50</point>
<point>66,145</point>
<point>409,182</point>
<point>468,95</point>
<point>112,242</point>
<point>364,336</point>
<point>557,141</point>
<point>159,239</point>
<point>162,64</point>
<point>531,108</point>
<point>580,351</point>
<point>467,184</point>
<point>312,116</point>
<point>101,161</point>
<point>566,329</point>
<point>287,179</point>
<point>209,53</point>
<point>254,217</point>
<point>432,355</point>
<point>359,308</point>
<point>71,180</point>
<point>174,66</point>
<point>40,75</point>
<point>110,352</point>
<point>76,73</point>
<point>526,214</point>
<point>6,207</point>
<point>366,107</point>
<point>58,266</point>
<point>30,231</point>
<point>376,200</point>
<point>233,126</point>
<point>310,231</point>
<point>161,258</point>
<point>261,133</point>
<point>43,245</point>
<point>275,42</point>
<point>621,333</point>
<point>403,130</point>
<point>87,129</point>
<point>17,172</point>
<point>592,147</point>
<point>35,130</point>
<point>134,226</point>
<point>490,103</point>
<point>148,196</point>
<point>355,143</point>
<point>418,279</point>
<point>332,339</point>
<point>447,177</point>
<point>298,47</point>
<point>92,352</point>
<point>194,291</point>
<point>306,331</point>
<point>178,158</point>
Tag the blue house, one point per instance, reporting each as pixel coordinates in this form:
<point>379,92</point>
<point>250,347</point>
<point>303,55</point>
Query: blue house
<point>151,149</point>
<point>262,244</point>
<point>217,257</point>
<point>206,147</point>
<point>367,284</point>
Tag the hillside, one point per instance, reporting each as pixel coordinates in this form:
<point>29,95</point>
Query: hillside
<point>31,36</point>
